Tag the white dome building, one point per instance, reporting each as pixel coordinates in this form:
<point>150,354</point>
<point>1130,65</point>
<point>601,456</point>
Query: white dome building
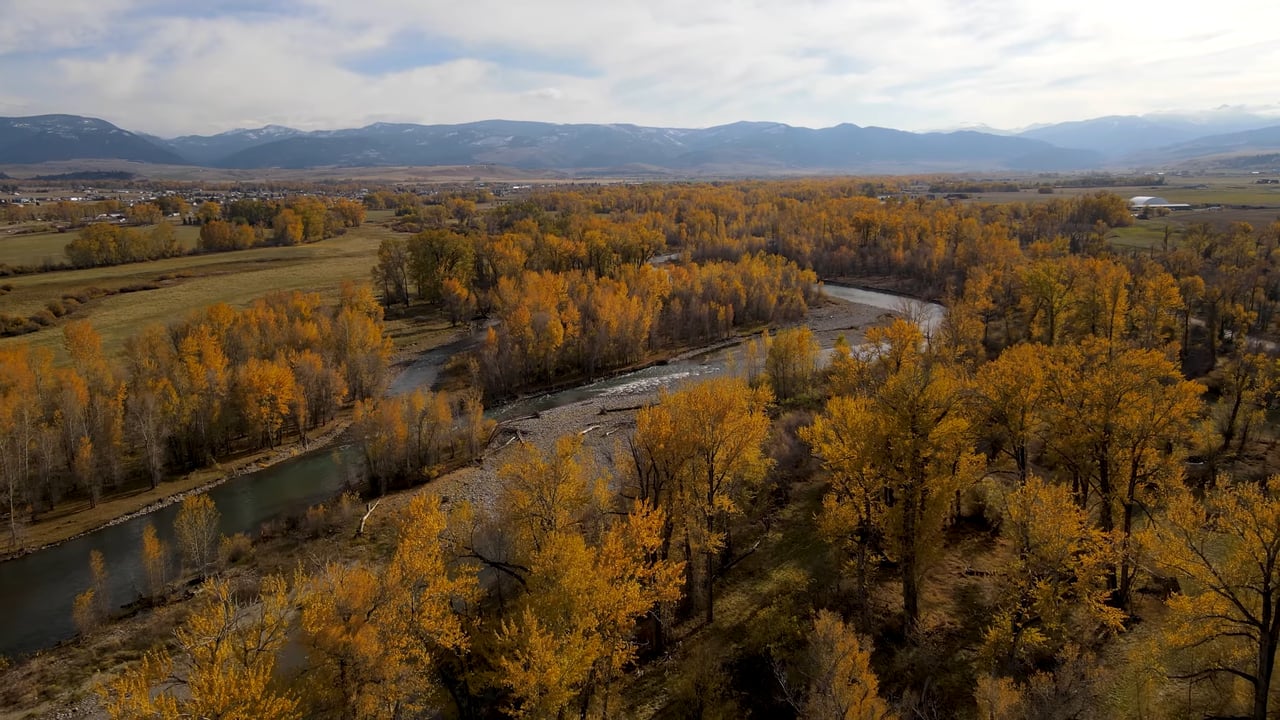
<point>1138,203</point>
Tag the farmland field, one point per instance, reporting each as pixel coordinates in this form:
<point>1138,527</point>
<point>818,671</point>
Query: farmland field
<point>46,248</point>
<point>1147,234</point>
<point>190,282</point>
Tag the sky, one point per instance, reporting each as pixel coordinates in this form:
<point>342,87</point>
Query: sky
<point>172,67</point>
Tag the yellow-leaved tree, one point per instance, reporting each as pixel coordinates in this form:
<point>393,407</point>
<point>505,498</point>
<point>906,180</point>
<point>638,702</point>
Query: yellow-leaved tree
<point>697,455</point>
<point>792,362</point>
<point>574,631</point>
<point>899,456</point>
<point>1225,623</point>
<point>223,667</point>
<point>1053,593</point>
<point>1008,395</point>
<point>379,640</point>
<point>841,683</point>
<point>1116,423</point>
<point>196,527</point>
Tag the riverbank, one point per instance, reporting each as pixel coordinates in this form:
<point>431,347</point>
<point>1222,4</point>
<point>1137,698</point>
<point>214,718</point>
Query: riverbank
<point>413,337</point>
<point>73,521</point>
<point>59,682</point>
<point>603,422</point>
<point>889,285</point>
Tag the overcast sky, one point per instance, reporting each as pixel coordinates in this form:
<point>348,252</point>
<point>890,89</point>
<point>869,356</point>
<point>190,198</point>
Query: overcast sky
<point>173,67</point>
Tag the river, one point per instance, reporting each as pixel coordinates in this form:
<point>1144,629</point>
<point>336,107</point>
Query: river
<point>37,590</point>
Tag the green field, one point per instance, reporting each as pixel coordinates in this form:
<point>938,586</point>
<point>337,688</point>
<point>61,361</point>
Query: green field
<point>191,282</point>
<point>1147,234</point>
<point>46,248</point>
<point>1220,191</point>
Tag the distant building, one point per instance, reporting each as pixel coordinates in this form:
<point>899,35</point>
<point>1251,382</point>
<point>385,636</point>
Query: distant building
<point>1142,203</point>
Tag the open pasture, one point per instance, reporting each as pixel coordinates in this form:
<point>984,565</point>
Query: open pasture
<point>26,249</point>
<point>191,282</point>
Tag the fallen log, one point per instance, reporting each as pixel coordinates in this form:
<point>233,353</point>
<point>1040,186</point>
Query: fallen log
<point>369,508</point>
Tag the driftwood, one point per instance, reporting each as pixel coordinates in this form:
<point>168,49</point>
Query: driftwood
<point>369,508</point>
<point>587,430</point>
<point>607,410</point>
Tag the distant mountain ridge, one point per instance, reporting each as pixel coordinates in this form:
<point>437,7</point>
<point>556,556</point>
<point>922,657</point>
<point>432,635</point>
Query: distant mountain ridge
<point>738,148</point>
<point>1263,141</point>
<point>1120,136</point>
<point>760,146</point>
<point>42,138</point>
<point>209,150</point>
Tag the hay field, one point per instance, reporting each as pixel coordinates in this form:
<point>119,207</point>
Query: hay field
<point>190,282</point>
<point>47,248</point>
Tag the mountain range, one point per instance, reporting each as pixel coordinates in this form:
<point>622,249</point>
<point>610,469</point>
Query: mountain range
<point>738,148</point>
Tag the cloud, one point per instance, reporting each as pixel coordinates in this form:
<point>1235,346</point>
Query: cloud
<point>161,67</point>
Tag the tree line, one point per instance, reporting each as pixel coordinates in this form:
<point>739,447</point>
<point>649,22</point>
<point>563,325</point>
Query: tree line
<point>240,225</point>
<point>181,395</point>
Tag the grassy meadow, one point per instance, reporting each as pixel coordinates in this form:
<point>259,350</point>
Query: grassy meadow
<point>47,248</point>
<point>188,283</point>
<point>1147,234</point>
<point>1220,190</point>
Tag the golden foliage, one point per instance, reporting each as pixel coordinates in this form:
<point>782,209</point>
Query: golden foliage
<point>898,456</point>
<point>842,685</point>
<point>196,528</point>
<point>1225,553</point>
<point>1054,593</point>
<point>224,664</point>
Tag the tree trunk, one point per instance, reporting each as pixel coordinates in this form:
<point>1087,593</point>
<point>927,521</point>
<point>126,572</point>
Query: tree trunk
<point>863,577</point>
<point>13,518</point>
<point>1268,636</point>
<point>910,586</point>
<point>710,579</point>
<point>1228,433</point>
<point>1186,335</point>
<point>1124,586</point>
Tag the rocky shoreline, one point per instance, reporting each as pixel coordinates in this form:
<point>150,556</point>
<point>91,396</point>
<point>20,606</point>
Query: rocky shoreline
<point>603,422</point>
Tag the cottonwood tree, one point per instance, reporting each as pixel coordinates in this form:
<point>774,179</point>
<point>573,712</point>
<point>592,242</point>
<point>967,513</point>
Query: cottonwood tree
<point>268,396</point>
<point>155,561</point>
<point>392,271</point>
<point>1052,596</point>
<point>1008,398</point>
<point>791,362</point>
<point>223,667</point>
<point>544,493</point>
<point>196,527</point>
<point>1225,550</point>
<point>102,421</point>
<point>1116,424</point>
<point>574,630</point>
<point>20,421</point>
<point>91,607</point>
<point>697,455</point>
<point>383,641</point>
<point>1249,382</point>
<point>835,668</point>
<point>435,256</point>
<point>854,514</point>
<point>906,440</point>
